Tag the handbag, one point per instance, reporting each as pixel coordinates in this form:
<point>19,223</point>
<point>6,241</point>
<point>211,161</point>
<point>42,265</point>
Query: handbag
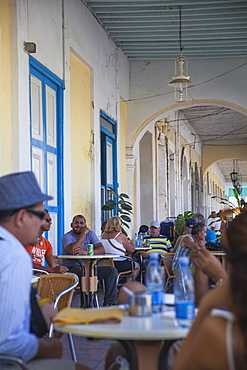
<point>119,249</point>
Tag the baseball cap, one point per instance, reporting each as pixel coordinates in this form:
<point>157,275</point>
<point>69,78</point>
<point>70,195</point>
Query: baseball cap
<point>190,222</point>
<point>155,224</point>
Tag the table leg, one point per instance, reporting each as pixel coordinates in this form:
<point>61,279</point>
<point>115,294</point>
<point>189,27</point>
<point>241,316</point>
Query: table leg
<point>224,263</point>
<point>83,296</point>
<point>143,354</point>
<point>88,282</point>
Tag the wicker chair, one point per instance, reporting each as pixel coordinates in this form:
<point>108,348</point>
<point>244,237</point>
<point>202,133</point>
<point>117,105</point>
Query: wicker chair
<point>59,288</point>
<point>39,271</point>
<point>167,260</point>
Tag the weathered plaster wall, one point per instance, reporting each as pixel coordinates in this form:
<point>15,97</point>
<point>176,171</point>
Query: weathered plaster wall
<point>59,28</point>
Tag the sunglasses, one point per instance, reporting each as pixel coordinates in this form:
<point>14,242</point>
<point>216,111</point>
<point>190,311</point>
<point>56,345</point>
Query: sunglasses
<point>48,219</point>
<point>40,214</point>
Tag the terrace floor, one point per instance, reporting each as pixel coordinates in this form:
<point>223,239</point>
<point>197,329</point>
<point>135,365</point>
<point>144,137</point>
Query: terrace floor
<point>89,352</point>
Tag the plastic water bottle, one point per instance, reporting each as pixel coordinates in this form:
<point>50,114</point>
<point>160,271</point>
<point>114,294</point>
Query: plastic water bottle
<point>154,280</point>
<point>184,291</point>
<point>140,239</point>
<point>136,240</point>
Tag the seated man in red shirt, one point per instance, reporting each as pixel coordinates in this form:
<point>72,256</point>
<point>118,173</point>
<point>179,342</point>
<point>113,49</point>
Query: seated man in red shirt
<point>43,249</point>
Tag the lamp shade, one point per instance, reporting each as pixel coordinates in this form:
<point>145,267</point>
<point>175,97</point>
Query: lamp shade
<point>180,81</point>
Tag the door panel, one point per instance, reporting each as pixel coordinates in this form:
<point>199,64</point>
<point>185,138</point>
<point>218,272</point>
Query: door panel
<point>46,106</point>
<point>36,109</point>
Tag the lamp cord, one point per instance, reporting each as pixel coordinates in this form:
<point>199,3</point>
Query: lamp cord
<point>180,28</point>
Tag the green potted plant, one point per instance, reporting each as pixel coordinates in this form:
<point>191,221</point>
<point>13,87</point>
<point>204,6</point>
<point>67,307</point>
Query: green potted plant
<point>122,206</point>
<point>179,223</point>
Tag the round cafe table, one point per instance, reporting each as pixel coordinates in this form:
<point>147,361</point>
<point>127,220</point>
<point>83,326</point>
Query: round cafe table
<point>144,338</point>
<point>89,280</point>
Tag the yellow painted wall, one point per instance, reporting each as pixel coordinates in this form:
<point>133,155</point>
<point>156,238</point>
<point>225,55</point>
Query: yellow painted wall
<point>214,153</point>
<point>5,90</point>
<point>123,186</point>
<point>81,145</point>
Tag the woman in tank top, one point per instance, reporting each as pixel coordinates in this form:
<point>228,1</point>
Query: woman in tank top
<point>115,242</point>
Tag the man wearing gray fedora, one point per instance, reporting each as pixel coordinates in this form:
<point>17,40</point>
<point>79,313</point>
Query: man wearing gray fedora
<point>21,217</point>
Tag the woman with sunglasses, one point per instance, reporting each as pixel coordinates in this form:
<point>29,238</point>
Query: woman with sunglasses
<point>43,250</point>
<point>218,338</point>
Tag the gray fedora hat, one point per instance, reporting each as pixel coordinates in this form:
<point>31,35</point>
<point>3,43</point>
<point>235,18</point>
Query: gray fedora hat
<point>20,190</point>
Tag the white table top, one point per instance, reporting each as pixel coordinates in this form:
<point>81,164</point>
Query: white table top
<point>142,248</point>
<point>218,253</point>
<point>156,327</point>
<point>87,257</point>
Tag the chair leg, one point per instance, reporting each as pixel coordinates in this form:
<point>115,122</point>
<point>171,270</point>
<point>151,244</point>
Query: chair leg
<point>72,347</point>
<point>95,299</point>
<point>50,335</point>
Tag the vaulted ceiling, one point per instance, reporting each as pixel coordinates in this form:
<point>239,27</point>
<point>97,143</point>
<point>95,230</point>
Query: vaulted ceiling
<point>149,30</point>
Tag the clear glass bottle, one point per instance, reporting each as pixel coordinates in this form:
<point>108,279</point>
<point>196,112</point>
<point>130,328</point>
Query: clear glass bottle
<point>154,279</point>
<point>184,291</point>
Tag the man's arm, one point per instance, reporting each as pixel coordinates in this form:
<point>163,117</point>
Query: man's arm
<point>208,264</point>
<point>188,242</point>
<point>98,248</point>
<point>53,268</point>
<point>49,348</point>
<point>76,246</point>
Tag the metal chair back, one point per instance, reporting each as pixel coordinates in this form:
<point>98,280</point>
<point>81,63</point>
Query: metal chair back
<point>14,362</point>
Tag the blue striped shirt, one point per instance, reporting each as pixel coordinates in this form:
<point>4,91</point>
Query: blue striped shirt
<point>182,252</point>
<point>15,285</point>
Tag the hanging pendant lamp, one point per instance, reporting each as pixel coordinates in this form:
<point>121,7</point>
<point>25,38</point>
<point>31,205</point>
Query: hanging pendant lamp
<point>180,82</point>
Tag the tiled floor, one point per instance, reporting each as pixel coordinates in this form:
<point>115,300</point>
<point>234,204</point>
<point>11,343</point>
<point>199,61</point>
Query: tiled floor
<point>90,352</point>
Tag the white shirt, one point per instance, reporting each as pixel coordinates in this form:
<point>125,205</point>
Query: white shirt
<point>15,285</point>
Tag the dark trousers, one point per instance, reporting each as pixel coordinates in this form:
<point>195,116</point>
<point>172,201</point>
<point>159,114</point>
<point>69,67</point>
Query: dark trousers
<point>109,275</point>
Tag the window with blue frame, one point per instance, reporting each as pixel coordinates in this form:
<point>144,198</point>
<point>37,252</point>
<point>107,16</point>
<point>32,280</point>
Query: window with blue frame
<point>46,111</point>
<point>108,133</point>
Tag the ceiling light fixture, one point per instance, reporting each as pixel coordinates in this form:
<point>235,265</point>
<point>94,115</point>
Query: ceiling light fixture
<point>234,177</point>
<point>180,82</point>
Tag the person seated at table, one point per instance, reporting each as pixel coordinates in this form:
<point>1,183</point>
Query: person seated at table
<point>189,223</point>
<point>218,337</point>
<point>158,242</point>
<point>190,241</point>
<point>21,215</point>
<point>43,249</point>
<point>214,223</point>
<point>75,242</point>
<point>210,234</point>
<point>115,242</point>
<point>143,229</point>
